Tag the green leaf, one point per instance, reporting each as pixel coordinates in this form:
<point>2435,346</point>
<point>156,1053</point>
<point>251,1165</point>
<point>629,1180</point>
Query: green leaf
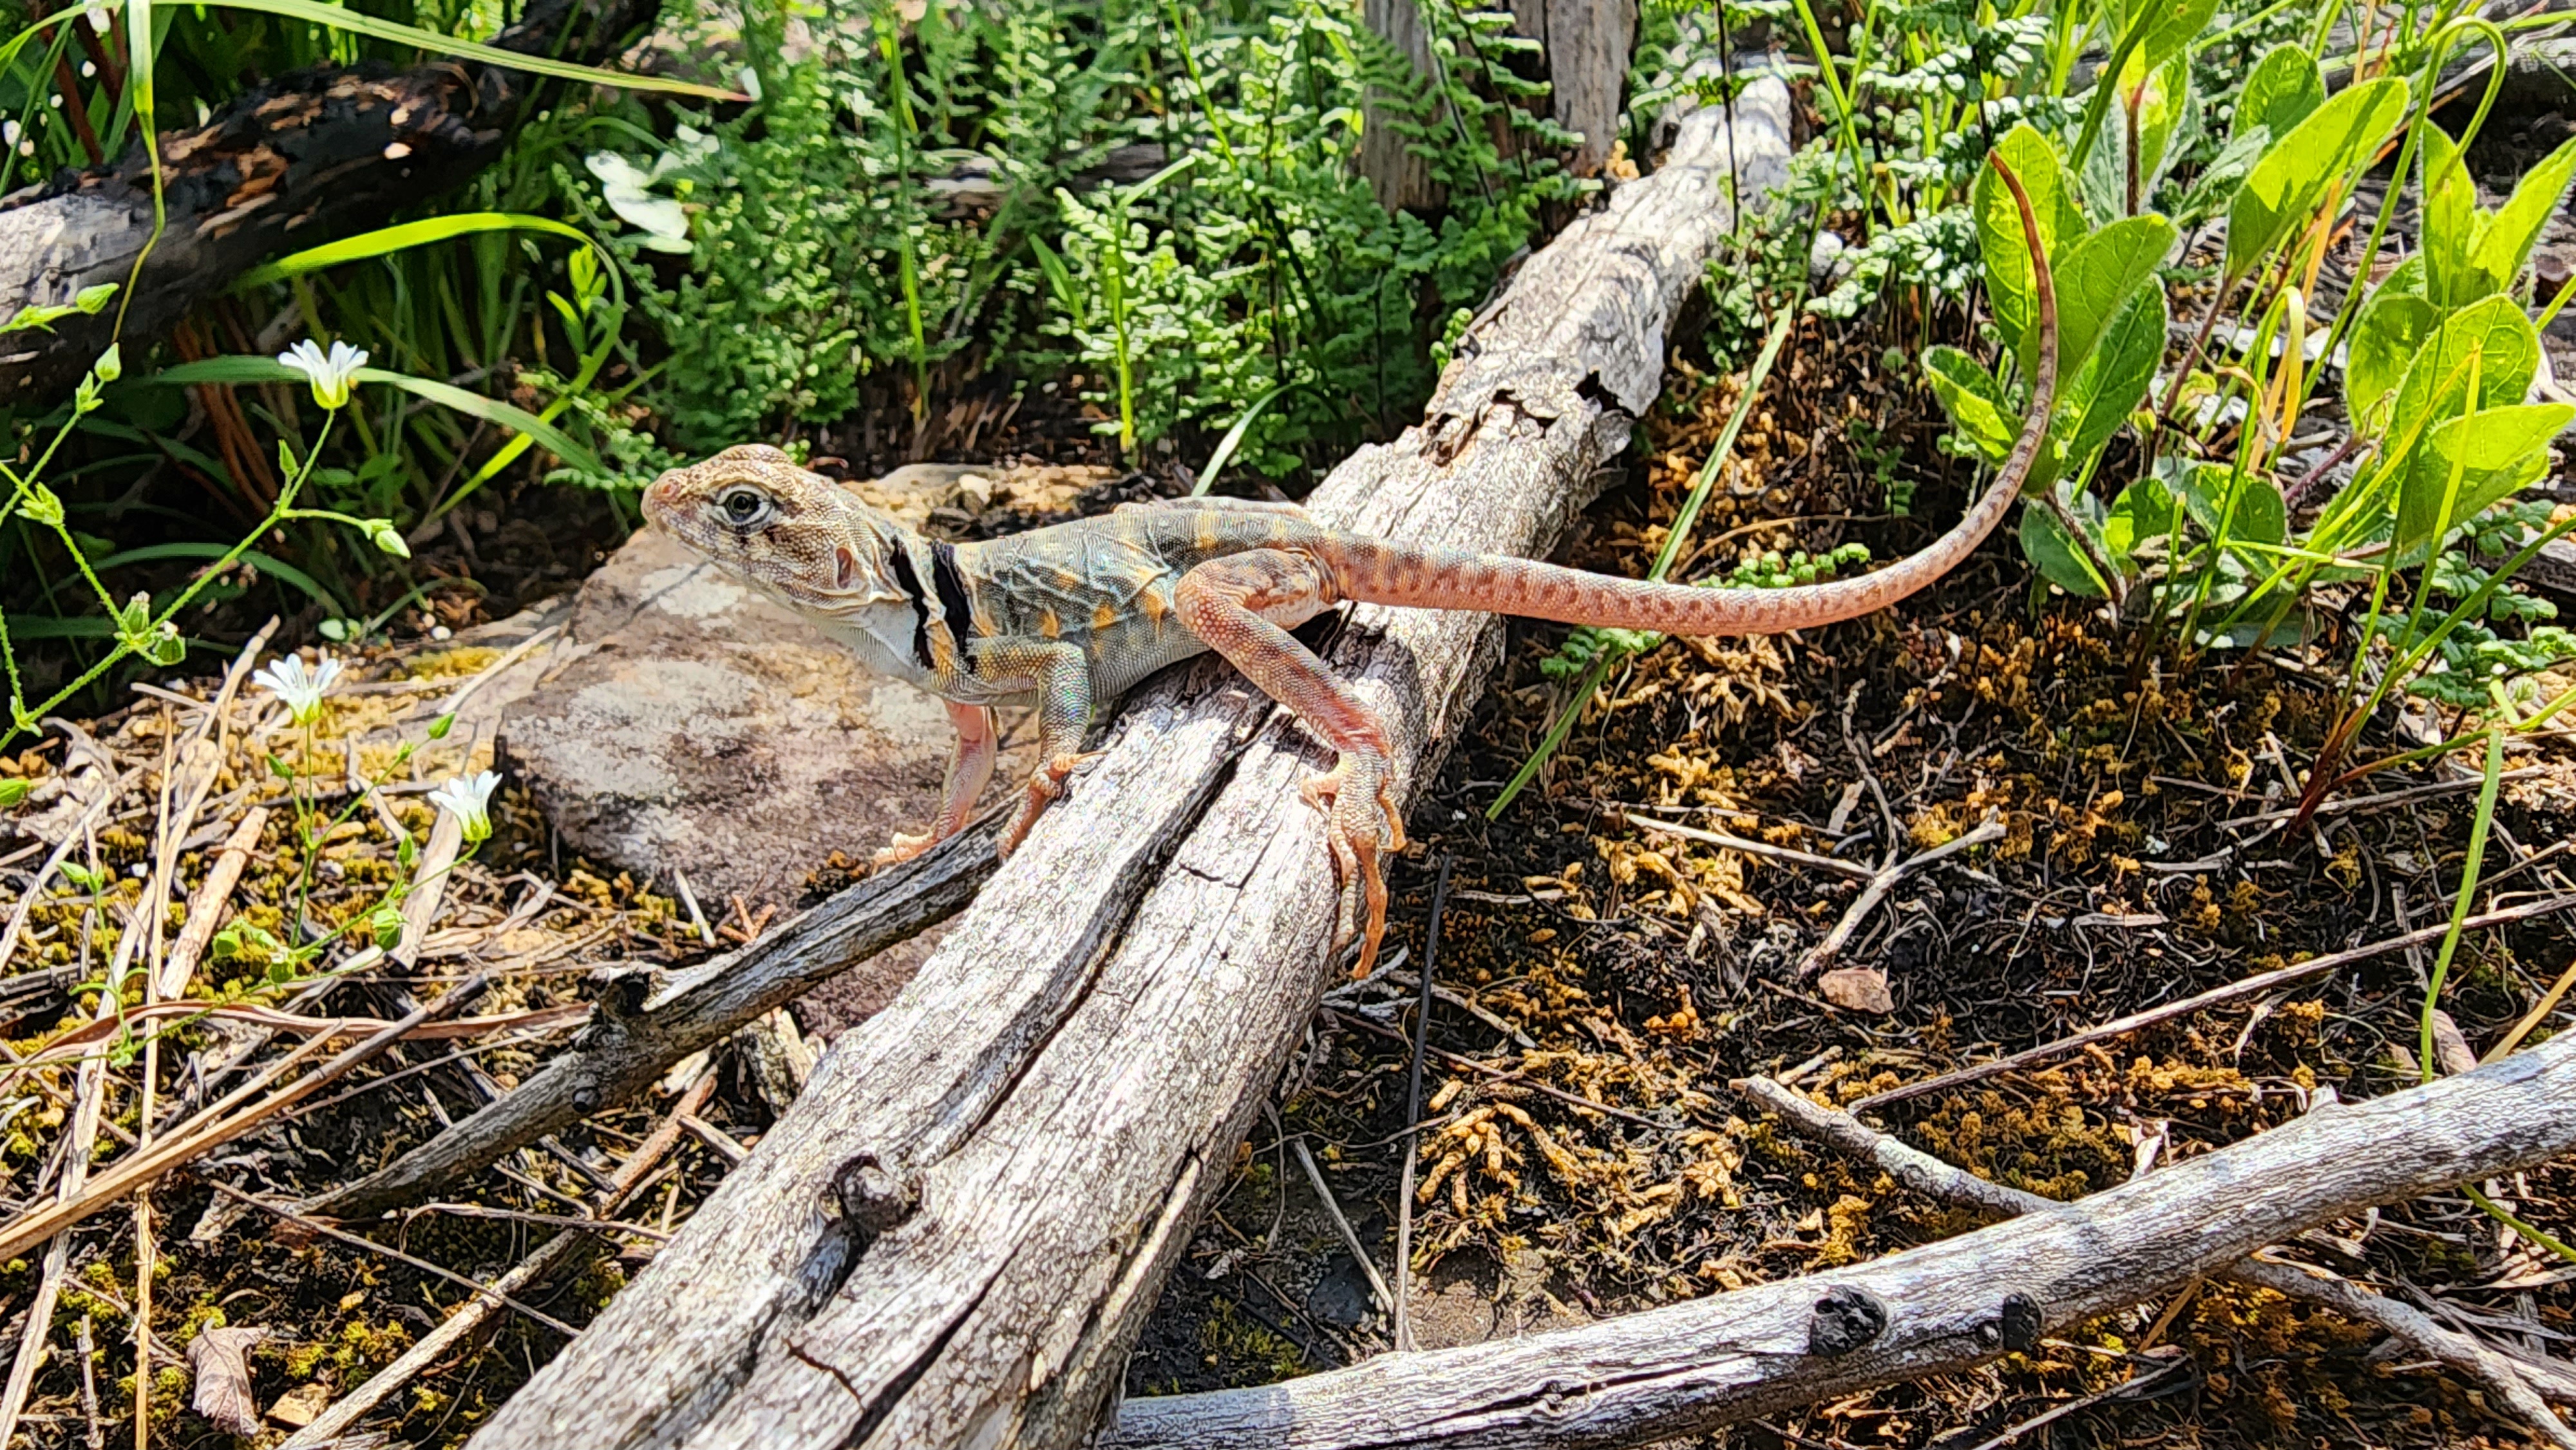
<point>2170,28</point>
<point>2144,512</point>
<point>2282,90</point>
<point>2393,327</point>
<point>2095,278</point>
<point>1968,393</point>
<point>491,410</point>
<point>2494,452</point>
<point>2258,515</point>
<point>2510,231</point>
<point>2451,225</point>
<point>2111,383</point>
<point>2291,181</point>
<point>2494,334</point>
<point>2168,120</point>
<point>2060,562</point>
<point>385,241</point>
<point>2009,286</point>
<point>312,12</point>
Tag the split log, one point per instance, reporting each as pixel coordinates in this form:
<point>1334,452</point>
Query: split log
<point>955,1234</point>
<point>305,159</point>
<point>1693,1368</point>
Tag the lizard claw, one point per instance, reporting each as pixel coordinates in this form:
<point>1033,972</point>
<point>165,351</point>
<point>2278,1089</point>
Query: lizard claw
<point>1046,783</point>
<point>1361,823</point>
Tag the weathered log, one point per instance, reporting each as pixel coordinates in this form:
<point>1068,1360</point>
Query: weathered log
<point>953,1236</point>
<point>1692,1368</point>
<point>305,159</point>
<point>640,1027</point>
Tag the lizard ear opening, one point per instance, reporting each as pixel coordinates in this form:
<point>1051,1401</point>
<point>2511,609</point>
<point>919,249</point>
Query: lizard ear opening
<point>845,567</point>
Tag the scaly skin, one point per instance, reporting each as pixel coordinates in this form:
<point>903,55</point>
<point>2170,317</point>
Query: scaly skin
<point>1074,615</point>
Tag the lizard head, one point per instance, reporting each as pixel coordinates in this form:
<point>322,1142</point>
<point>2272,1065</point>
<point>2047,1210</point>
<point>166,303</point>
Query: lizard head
<point>796,536</point>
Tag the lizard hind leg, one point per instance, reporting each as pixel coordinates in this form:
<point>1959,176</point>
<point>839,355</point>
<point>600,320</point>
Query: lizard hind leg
<point>1224,602</point>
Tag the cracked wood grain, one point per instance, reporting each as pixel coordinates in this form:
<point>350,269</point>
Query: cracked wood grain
<point>953,1236</point>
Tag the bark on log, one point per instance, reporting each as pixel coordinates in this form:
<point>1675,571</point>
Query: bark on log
<point>305,159</point>
<point>1695,1367</point>
<point>954,1235</point>
<point>1586,45</point>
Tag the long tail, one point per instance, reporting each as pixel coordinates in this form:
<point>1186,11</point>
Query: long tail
<point>1378,571</point>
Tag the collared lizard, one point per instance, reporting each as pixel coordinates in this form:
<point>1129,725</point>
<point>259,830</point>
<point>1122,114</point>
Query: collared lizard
<point>1075,614</point>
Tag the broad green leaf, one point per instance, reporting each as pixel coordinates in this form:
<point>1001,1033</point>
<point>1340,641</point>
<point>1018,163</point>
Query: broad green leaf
<point>1969,395</point>
<point>2494,453</point>
<point>2060,562</point>
<point>2257,515</point>
<point>2282,90</point>
<point>2393,327</point>
<point>2290,182</point>
<point>2506,243</point>
<point>1999,235</point>
<point>385,241</point>
<point>2168,120</point>
<point>2451,225</point>
<point>2490,333</point>
<point>2170,28</point>
<point>312,12</point>
<point>2094,280</point>
<point>264,370</point>
<point>2112,382</point>
<point>2144,511</point>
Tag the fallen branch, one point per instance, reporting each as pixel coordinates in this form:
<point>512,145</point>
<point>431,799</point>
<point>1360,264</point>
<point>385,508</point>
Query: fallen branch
<point>307,159</point>
<point>1884,881</point>
<point>1927,1174</point>
<point>1692,1368</point>
<point>2253,986</point>
<point>634,1038</point>
<point>954,1235</point>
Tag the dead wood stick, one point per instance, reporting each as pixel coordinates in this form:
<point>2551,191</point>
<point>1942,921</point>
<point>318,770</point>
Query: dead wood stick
<point>631,1175</point>
<point>1884,881</point>
<point>2253,986</point>
<point>1691,1368</point>
<point>1925,1173</point>
<point>633,1039</point>
<point>207,902</point>
<point>146,1165</point>
<point>1857,871</point>
<point>1350,1237</point>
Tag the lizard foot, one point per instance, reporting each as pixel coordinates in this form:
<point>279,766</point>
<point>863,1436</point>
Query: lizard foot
<point>903,848</point>
<point>1046,783</point>
<point>1362,824</point>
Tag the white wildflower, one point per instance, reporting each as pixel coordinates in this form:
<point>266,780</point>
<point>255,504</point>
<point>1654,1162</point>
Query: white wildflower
<point>329,375</point>
<point>301,689</point>
<point>466,798</point>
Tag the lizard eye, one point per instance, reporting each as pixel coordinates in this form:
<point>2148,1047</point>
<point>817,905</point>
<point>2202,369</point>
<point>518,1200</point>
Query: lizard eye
<point>744,507</point>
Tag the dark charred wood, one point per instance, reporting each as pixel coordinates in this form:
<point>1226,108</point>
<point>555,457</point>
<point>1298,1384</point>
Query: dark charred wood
<point>305,159</point>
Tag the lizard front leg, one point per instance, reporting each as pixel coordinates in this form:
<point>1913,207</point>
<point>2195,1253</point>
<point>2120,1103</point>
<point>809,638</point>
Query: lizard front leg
<point>970,767</point>
<point>1061,675</point>
<point>1223,602</point>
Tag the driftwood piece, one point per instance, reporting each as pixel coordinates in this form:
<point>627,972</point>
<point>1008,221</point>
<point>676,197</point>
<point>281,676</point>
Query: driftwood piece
<point>1695,1367</point>
<point>632,1037</point>
<point>954,1235</point>
<point>307,158</point>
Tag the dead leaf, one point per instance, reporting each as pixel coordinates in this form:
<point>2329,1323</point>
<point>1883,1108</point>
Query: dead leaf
<point>302,1405</point>
<point>219,1358</point>
<point>1861,989</point>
